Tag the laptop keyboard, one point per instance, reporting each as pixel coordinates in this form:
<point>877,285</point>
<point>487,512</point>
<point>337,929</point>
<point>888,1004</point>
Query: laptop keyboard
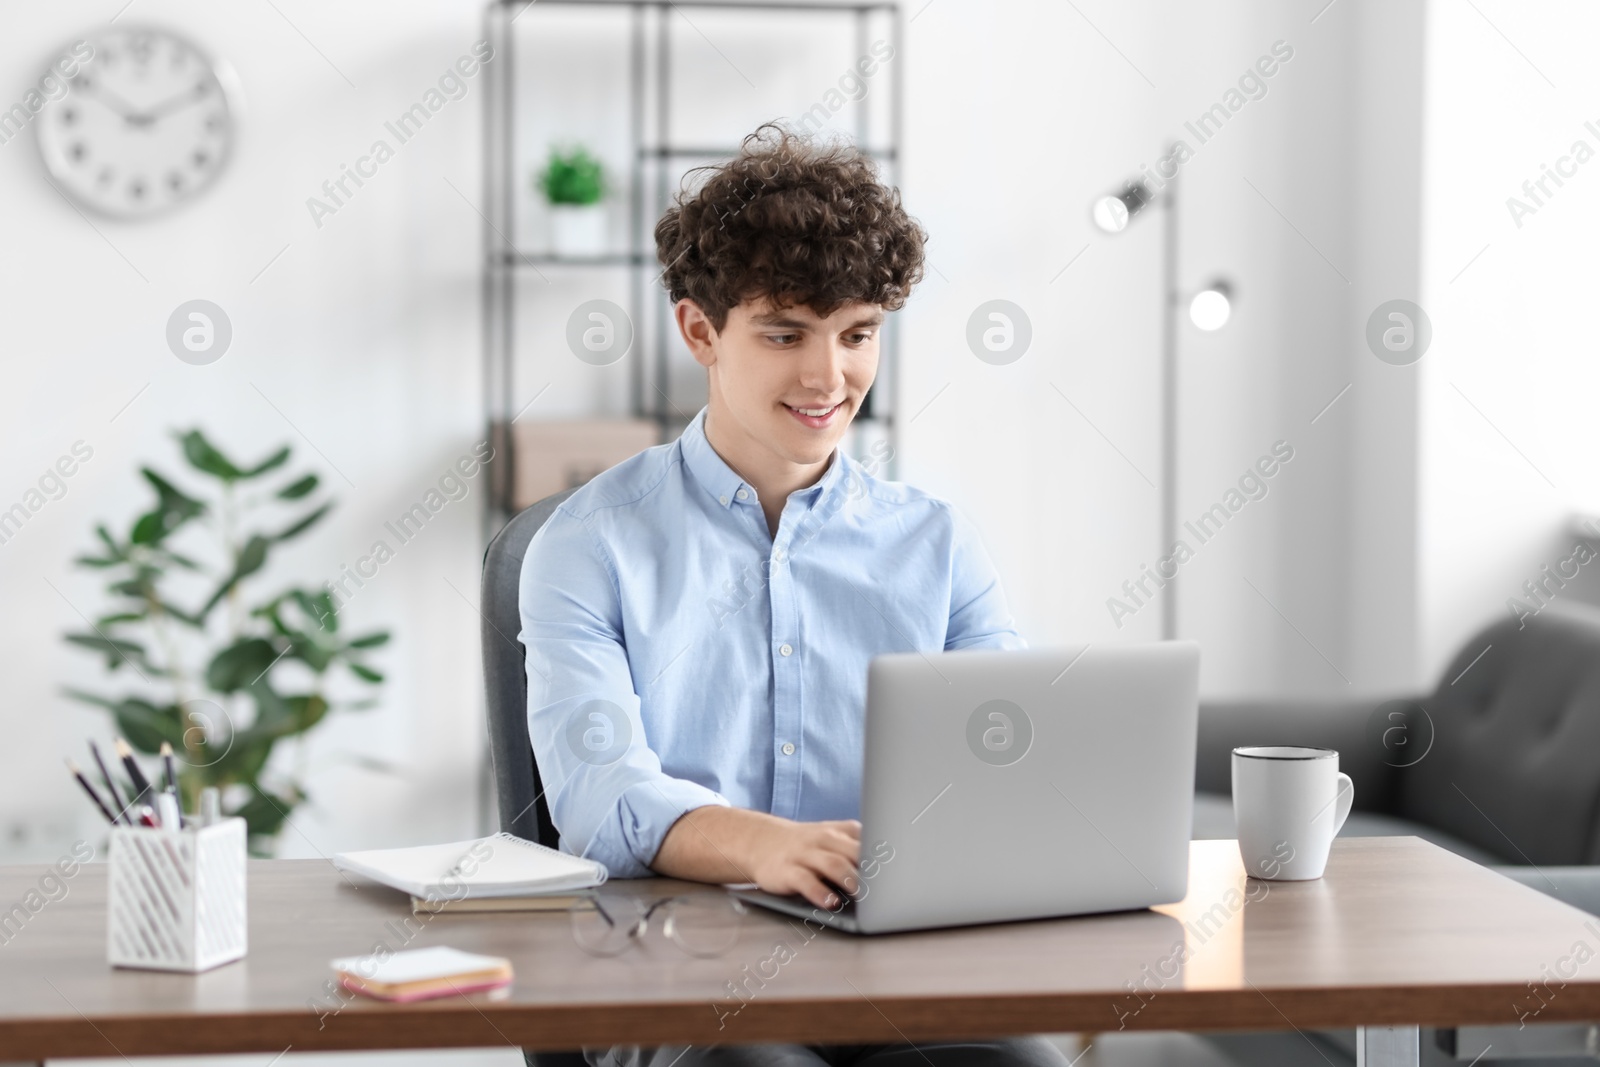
<point>803,905</point>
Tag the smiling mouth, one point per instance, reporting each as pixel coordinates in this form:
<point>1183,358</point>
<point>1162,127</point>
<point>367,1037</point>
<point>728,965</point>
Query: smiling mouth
<point>815,413</point>
<point>818,418</point>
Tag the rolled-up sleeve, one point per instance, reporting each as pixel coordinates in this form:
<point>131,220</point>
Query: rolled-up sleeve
<point>608,795</point>
<point>979,616</point>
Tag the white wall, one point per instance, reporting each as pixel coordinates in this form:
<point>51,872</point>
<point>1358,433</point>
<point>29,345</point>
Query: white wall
<point>1301,199</point>
<point>365,334</point>
<point>1507,395</point>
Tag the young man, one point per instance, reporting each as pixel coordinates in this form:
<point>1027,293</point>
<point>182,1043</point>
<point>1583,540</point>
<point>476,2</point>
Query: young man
<point>699,619</point>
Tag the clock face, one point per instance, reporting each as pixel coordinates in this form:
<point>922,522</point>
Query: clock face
<point>147,123</point>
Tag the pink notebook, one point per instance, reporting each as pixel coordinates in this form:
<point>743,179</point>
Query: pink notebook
<point>422,973</point>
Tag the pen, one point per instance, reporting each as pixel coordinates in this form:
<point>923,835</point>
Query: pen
<point>167,812</point>
<point>147,817</point>
<point>141,784</point>
<point>210,806</point>
<point>166,764</point>
<point>111,789</point>
<point>87,788</point>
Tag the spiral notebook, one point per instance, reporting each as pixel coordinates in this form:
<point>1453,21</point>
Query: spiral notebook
<point>502,865</point>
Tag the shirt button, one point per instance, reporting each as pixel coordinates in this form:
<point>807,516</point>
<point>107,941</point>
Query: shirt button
<point>722,500</point>
<point>785,650</point>
<point>779,555</point>
<point>742,494</point>
<point>788,748</point>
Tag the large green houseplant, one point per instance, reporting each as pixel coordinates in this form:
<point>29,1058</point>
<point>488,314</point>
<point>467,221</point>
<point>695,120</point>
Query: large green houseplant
<point>208,646</point>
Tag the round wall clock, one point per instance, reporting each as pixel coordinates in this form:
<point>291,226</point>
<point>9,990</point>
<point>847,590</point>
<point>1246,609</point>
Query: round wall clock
<point>147,124</point>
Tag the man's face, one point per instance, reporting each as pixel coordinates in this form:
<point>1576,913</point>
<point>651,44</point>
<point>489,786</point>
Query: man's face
<point>787,381</point>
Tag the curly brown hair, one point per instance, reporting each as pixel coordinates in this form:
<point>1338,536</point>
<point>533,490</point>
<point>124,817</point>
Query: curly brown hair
<point>794,220</point>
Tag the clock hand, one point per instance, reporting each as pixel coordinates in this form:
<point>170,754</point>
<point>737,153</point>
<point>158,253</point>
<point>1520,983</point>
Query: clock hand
<point>128,112</point>
<point>173,104</point>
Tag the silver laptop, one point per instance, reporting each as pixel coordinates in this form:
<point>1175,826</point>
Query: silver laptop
<point>1021,785</point>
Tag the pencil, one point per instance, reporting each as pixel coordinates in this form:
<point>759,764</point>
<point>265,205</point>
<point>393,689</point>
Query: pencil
<point>141,784</point>
<point>166,764</point>
<point>87,788</point>
<point>111,789</point>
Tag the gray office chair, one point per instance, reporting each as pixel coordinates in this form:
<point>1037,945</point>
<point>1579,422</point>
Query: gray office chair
<point>518,790</point>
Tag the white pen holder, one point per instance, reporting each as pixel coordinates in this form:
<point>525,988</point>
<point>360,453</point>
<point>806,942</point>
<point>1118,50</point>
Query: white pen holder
<point>177,897</point>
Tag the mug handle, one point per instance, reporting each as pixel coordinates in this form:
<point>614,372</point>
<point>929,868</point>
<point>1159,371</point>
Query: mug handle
<point>1345,797</point>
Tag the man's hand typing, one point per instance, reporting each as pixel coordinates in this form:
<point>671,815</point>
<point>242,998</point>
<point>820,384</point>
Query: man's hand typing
<point>718,844</point>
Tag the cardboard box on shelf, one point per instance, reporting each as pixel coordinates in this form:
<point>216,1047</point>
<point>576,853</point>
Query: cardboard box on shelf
<point>557,455</point>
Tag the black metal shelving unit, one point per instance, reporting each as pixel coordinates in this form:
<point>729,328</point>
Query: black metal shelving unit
<point>504,263</point>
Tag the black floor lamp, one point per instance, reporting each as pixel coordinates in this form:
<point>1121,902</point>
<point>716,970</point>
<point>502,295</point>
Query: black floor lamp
<point>1209,309</point>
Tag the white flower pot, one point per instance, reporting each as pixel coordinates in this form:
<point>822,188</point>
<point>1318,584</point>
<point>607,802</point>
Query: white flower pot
<point>578,229</point>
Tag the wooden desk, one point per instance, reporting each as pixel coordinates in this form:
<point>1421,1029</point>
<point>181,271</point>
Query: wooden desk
<point>1397,932</point>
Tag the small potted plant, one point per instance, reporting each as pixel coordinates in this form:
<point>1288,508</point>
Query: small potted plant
<point>573,183</point>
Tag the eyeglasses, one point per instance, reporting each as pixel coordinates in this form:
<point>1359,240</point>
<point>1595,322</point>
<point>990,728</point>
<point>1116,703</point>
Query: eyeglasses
<point>702,924</point>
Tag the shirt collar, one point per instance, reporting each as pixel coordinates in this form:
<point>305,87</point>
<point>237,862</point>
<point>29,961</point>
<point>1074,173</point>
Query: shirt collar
<point>724,483</point>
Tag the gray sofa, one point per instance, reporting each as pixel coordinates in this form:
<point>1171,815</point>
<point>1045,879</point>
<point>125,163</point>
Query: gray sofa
<point>1499,764</point>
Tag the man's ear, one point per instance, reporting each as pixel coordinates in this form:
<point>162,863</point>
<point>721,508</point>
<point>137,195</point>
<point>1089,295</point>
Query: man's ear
<point>698,333</point>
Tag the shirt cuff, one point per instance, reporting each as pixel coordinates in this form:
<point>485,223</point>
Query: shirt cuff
<point>628,841</point>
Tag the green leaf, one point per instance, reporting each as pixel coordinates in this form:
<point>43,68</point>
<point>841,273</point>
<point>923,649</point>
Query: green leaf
<point>372,640</point>
<point>138,588</point>
<point>145,725</point>
<point>204,456</point>
<point>184,617</point>
<point>272,462</point>
<point>264,814</point>
<point>250,749</point>
<point>173,508</point>
<point>271,614</point>
<point>95,561</point>
<point>296,490</point>
<point>240,664</point>
<point>319,608</point>
<point>244,759</point>
<point>171,496</point>
<point>252,557</point>
<point>274,716</point>
<point>304,524</point>
<point>307,711</point>
<point>311,652</point>
<point>112,548</point>
<point>150,528</point>
<point>89,698</point>
<point>361,670</point>
<point>124,616</point>
<point>117,651</point>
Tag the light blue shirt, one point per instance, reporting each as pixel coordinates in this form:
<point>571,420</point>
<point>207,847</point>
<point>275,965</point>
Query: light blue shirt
<point>678,655</point>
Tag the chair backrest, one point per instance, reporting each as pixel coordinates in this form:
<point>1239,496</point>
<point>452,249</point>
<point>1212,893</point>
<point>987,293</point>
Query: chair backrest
<point>1516,725</point>
<point>518,789</point>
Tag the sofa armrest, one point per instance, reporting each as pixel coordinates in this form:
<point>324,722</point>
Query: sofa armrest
<point>1340,725</point>
<point>1578,886</point>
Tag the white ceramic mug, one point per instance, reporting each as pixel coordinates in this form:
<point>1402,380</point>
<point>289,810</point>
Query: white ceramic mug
<point>1288,803</point>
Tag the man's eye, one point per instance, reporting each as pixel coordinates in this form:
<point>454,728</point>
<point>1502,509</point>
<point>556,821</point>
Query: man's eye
<point>781,338</point>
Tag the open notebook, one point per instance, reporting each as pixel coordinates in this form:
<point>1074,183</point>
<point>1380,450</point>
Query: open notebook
<point>499,866</point>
